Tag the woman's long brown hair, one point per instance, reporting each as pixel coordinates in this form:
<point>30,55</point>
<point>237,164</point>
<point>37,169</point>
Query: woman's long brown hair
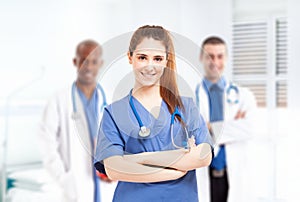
<point>168,83</point>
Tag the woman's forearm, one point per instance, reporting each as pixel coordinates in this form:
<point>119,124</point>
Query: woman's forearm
<point>199,156</point>
<point>121,169</point>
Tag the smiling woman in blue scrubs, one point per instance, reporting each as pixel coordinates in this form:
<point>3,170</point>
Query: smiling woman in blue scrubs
<point>150,165</point>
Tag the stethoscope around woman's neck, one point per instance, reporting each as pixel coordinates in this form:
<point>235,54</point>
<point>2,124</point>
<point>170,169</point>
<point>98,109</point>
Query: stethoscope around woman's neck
<point>145,132</point>
<point>75,114</point>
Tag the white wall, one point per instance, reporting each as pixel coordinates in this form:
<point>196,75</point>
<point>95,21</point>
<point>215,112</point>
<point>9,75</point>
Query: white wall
<point>258,9</point>
<point>39,34</point>
<point>44,33</point>
<point>201,19</point>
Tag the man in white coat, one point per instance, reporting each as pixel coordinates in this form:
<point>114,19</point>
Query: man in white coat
<point>228,110</point>
<point>69,127</point>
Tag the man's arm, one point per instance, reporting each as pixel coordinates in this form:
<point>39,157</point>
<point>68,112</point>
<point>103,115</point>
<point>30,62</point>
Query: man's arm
<point>240,128</point>
<point>47,132</point>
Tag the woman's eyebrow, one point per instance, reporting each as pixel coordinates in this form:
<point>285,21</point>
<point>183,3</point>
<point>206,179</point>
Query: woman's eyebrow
<point>142,54</point>
<point>145,55</point>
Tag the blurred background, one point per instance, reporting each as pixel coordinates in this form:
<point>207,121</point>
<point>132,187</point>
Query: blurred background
<point>37,44</point>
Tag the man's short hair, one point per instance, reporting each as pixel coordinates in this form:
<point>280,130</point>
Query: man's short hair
<point>213,40</point>
<point>88,42</point>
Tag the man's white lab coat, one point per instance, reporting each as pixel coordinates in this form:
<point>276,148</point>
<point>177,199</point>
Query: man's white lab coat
<point>235,135</point>
<point>66,146</point>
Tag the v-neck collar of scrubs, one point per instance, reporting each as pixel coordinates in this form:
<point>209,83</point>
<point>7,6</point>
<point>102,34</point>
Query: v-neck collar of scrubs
<point>155,124</point>
<point>84,99</point>
<point>149,112</point>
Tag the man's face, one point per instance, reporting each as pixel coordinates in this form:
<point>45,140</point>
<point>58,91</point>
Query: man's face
<point>213,58</point>
<point>88,63</point>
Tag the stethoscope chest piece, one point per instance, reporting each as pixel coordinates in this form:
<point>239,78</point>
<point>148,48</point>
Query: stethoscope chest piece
<point>144,132</point>
<point>232,94</point>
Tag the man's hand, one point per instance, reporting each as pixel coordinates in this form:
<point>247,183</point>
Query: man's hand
<point>240,115</point>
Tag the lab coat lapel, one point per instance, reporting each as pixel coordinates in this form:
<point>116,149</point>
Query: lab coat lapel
<point>70,130</point>
<point>203,103</point>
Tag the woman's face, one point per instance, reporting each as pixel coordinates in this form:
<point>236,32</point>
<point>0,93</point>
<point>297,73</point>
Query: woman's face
<point>148,61</point>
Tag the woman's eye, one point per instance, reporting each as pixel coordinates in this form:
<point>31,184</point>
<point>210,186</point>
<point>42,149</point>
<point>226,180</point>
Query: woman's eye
<point>142,58</point>
<point>158,59</point>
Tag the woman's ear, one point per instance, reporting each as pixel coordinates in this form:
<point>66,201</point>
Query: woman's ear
<point>129,57</point>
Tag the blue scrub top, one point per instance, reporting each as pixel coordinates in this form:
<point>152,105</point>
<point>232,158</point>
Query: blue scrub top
<point>118,135</point>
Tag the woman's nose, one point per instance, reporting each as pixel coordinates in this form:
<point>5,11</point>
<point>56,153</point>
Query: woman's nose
<point>150,62</point>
